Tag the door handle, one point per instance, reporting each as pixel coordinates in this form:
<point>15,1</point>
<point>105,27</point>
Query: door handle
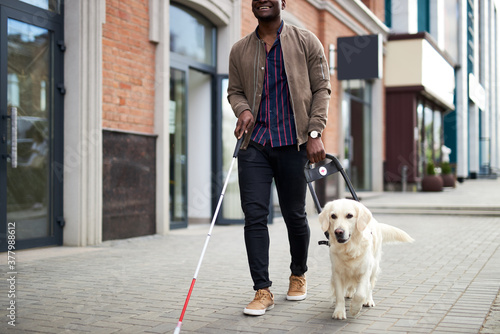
<point>13,136</point>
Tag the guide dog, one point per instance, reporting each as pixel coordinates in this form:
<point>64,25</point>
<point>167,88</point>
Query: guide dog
<point>355,251</point>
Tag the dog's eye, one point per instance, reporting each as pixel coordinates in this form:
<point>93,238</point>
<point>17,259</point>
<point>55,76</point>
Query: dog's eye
<point>334,216</point>
<point>349,216</point>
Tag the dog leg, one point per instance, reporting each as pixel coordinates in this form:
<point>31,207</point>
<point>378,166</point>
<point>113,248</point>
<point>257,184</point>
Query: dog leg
<point>373,279</point>
<point>339,312</point>
<point>350,292</point>
<point>369,301</point>
<point>360,296</point>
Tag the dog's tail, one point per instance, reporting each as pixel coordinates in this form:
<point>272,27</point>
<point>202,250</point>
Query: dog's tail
<point>393,234</point>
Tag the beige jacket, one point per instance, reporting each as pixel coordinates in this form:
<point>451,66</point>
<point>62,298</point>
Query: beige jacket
<point>306,69</point>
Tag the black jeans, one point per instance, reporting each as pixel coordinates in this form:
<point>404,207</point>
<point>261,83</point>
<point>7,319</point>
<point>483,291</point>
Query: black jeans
<point>257,166</point>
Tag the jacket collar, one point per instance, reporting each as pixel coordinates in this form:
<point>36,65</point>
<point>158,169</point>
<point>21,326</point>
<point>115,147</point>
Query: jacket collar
<point>280,30</point>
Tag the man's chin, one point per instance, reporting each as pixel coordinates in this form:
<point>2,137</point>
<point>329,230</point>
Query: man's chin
<point>267,17</point>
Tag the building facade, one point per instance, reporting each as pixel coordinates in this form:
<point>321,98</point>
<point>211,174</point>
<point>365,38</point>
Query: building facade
<point>115,121</point>
<point>442,89</point>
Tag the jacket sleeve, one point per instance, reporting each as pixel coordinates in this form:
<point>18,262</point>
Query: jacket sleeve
<point>319,77</point>
<point>235,91</point>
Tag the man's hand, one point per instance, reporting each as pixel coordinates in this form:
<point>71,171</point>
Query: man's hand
<point>245,122</point>
<point>315,150</point>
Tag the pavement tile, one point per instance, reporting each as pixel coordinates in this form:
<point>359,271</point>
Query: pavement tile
<point>445,282</point>
<point>456,329</point>
<point>109,323</point>
<point>355,328</point>
<point>383,324</point>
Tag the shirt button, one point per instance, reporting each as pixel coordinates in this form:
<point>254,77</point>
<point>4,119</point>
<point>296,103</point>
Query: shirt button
<point>262,68</point>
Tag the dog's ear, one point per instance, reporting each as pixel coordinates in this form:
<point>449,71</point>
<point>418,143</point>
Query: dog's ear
<point>324,217</point>
<point>364,217</point>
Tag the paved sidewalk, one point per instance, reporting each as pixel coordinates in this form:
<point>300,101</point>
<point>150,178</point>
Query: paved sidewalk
<point>481,196</point>
<point>445,282</point>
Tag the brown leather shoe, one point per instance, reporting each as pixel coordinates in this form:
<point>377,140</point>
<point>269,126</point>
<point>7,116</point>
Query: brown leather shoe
<point>263,301</point>
<point>297,289</point>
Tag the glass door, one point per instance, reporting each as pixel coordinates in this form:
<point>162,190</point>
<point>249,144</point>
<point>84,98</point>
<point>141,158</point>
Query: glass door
<point>346,129</point>
<point>356,118</point>
<point>31,119</point>
<point>178,148</point>
<point>231,212</point>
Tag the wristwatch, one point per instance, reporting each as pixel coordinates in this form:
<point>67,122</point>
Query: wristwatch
<point>314,134</point>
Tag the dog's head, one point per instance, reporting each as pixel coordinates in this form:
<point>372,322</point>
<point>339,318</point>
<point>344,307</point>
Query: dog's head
<point>343,217</point>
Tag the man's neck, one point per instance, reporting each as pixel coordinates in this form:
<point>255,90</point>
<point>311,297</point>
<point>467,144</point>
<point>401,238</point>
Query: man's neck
<point>269,28</point>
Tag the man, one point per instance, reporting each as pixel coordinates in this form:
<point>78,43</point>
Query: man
<point>279,88</point>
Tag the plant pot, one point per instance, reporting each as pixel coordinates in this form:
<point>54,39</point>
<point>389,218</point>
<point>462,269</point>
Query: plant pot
<point>432,183</point>
<point>448,180</point>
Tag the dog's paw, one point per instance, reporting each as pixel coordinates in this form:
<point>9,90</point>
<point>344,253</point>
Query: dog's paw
<point>355,308</point>
<point>369,303</point>
<point>339,314</point>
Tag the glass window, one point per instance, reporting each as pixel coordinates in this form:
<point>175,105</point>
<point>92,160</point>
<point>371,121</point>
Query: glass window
<point>451,19</point>
<point>420,139</point>
<point>52,5</point>
<point>178,151</point>
<point>192,35</point>
<point>423,15</point>
<point>388,13</point>
<point>357,88</point>
<point>29,57</point>
<point>428,133</point>
<point>438,125</point>
<point>356,116</point>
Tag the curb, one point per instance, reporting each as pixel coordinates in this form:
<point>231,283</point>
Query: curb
<point>436,210</point>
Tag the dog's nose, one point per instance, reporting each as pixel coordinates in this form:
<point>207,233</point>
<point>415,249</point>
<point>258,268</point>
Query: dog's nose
<point>339,232</point>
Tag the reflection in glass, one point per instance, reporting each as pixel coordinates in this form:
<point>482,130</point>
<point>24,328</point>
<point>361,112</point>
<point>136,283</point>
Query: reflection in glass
<point>437,136</point>
<point>192,35</point>
<point>178,161</point>
<point>52,5</point>
<point>356,117</point>
<point>428,135</point>
<point>357,89</point>
<point>420,139</point>
<point>29,56</point>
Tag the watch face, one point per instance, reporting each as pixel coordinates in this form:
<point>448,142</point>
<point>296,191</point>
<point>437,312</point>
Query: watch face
<point>314,134</point>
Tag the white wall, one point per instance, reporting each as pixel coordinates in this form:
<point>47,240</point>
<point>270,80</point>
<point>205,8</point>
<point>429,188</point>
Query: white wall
<point>404,16</point>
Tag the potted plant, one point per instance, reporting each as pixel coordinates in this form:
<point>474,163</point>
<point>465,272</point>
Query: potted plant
<point>446,175</point>
<point>431,181</point>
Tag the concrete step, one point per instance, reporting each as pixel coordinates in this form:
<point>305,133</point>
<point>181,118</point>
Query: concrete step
<point>491,211</point>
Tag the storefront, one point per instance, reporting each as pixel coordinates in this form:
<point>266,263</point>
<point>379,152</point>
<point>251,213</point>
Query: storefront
<point>357,115</point>
<point>420,83</point>
<point>125,104</point>
<point>360,70</point>
<point>126,111</point>
<point>200,124</point>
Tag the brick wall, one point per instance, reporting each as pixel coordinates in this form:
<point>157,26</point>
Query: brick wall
<point>128,67</point>
<point>333,132</point>
<point>377,7</point>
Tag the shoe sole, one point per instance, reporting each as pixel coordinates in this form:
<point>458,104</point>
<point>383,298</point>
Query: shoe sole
<point>248,311</point>
<point>296,298</point>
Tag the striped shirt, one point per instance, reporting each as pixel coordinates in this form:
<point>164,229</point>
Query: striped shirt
<point>275,122</point>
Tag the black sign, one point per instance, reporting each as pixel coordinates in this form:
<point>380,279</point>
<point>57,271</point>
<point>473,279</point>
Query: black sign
<point>359,57</point>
